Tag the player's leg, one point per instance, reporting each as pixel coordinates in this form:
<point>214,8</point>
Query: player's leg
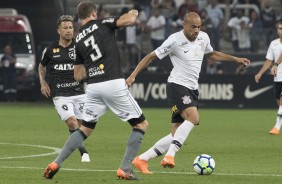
<point>126,108</point>
<point>93,109</point>
<point>184,117</point>
<point>278,94</point>
<point>78,103</point>
<point>159,148</point>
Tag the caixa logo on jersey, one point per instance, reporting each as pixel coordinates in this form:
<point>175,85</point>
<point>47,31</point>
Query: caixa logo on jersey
<point>67,85</point>
<point>63,67</point>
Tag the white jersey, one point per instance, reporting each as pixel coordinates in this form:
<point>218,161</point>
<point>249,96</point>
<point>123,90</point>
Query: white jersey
<point>186,57</point>
<point>273,52</point>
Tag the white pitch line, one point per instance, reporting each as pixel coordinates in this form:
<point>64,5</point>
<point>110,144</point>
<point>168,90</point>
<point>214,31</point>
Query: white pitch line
<point>156,172</point>
<point>56,151</point>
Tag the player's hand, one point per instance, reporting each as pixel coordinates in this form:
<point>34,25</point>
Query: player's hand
<point>257,77</point>
<point>274,70</point>
<point>45,90</point>
<point>243,61</point>
<point>129,81</point>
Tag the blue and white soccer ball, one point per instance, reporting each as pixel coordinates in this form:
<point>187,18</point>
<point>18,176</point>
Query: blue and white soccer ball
<point>204,164</point>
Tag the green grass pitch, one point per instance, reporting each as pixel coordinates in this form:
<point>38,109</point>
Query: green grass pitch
<point>237,139</point>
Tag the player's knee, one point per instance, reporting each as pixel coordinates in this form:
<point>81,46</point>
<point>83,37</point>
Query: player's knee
<point>72,123</point>
<point>140,122</point>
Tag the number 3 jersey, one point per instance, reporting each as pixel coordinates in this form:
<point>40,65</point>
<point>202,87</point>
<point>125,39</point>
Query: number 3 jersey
<point>96,48</point>
<point>59,65</point>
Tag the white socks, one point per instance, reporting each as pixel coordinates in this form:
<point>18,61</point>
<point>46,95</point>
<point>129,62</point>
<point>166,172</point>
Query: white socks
<point>161,147</point>
<point>179,137</point>
<point>279,119</point>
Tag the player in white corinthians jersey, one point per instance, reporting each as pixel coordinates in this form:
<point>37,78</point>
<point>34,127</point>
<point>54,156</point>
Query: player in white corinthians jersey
<point>186,50</point>
<point>273,52</point>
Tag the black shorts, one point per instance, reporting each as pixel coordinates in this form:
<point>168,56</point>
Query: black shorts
<point>278,89</point>
<point>180,98</point>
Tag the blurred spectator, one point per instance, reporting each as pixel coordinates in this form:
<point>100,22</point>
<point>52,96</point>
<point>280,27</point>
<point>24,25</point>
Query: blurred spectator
<point>145,5</point>
<point>156,26</point>
<point>214,67</point>
<point>8,63</point>
<point>140,23</point>
<point>202,4</point>
<point>239,31</point>
<point>102,12</point>
<point>255,27</point>
<point>168,10</point>
<point>186,7</point>
<point>268,18</point>
<point>216,16</point>
<point>206,22</point>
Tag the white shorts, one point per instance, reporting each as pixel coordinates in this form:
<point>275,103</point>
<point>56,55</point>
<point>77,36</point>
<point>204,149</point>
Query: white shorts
<point>69,106</point>
<point>113,95</point>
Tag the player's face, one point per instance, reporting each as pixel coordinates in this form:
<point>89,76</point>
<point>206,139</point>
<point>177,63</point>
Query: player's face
<point>279,30</point>
<point>192,28</point>
<point>65,30</point>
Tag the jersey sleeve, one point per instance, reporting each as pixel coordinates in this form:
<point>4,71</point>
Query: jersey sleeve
<point>166,48</point>
<point>209,48</point>
<point>78,59</point>
<point>111,22</point>
<point>45,58</point>
<point>270,54</point>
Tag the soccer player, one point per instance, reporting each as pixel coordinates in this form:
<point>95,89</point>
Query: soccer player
<point>68,95</point>
<point>273,52</point>
<point>98,61</point>
<point>186,50</point>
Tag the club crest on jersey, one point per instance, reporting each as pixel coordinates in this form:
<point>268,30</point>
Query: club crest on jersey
<point>71,53</point>
<point>202,45</point>
<point>186,99</point>
<point>56,50</point>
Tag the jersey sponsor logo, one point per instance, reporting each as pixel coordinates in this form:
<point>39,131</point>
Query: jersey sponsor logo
<point>85,32</point>
<point>186,99</point>
<point>96,70</point>
<point>56,50</point>
<point>184,43</point>
<point>252,94</point>
<point>108,20</point>
<point>91,113</point>
<point>67,85</point>
<point>63,67</point>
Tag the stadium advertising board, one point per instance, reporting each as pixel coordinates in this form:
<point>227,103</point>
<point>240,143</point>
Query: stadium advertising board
<point>216,91</point>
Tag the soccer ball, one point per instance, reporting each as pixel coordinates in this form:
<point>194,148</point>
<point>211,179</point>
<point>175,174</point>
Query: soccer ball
<point>204,164</point>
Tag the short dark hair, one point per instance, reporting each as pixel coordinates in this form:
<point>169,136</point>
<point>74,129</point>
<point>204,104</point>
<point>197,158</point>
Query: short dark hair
<point>85,8</point>
<point>64,18</point>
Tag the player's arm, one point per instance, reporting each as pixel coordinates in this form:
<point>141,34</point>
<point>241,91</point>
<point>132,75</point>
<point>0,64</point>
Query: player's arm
<point>142,64</point>
<point>275,65</point>
<point>220,56</point>
<point>127,19</point>
<point>265,66</point>
<point>45,89</point>
<point>79,72</point>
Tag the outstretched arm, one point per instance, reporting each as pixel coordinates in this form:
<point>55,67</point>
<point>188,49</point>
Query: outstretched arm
<point>220,56</point>
<point>127,19</point>
<point>142,64</point>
